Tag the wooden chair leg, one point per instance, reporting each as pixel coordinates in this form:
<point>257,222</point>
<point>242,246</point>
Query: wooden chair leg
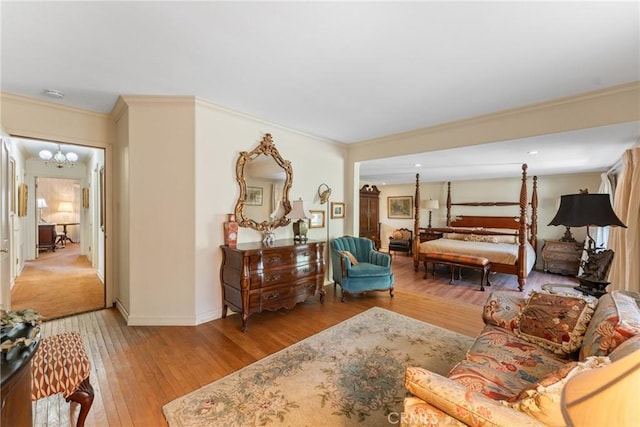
<point>84,396</point>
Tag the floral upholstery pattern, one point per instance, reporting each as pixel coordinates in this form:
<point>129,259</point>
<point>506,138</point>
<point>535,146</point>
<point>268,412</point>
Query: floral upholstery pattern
<point>616,320</point>
<point>556,322</point>
<point>508,380</point>
<point>502,309</point>
<point>499,364</point>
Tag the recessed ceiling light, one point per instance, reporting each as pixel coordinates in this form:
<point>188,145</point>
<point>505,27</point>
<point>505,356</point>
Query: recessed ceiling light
<point>53,93</point>
<point>532,152</point>
<point>417,165</point>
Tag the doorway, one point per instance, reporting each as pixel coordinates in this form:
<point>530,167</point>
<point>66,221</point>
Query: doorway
<point>63,278</point>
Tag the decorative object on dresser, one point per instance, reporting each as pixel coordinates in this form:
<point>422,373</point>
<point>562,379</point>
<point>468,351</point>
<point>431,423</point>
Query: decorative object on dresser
<point>584,209</point>
<point>256,277</point>
<point>561,257</point>
<point>230,230</point>
<point>370,214</point>
<point>299,212</point>
<point>430,205</point>
<point>263,168</point>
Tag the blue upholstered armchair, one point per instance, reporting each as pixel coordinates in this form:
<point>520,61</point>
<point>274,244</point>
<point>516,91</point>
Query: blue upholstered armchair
<point>358,268</point>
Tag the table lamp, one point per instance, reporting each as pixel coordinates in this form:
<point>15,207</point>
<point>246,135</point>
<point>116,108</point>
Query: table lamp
<point>431,205</point>
<point>299,212</point>
<point>42,203</point>
<point>584,209</point>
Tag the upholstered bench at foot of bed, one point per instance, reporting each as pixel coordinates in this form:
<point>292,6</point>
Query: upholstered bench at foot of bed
<point>455,260</point>
<point>61,365</point>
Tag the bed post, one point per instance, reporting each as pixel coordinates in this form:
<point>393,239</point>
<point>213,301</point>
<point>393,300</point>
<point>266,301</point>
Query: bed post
<point>534,215</point>
<point>449,204</point>
<point>416,226</point>
<point>522,253</point>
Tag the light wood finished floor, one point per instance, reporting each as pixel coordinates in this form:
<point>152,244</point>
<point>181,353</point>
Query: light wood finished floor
<point>136,370</point>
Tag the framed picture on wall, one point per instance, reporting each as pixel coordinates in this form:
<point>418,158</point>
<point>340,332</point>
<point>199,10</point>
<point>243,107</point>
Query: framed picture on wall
<point>12,188</point>
<point>23,196</point>
<point>337,210</point>
<point>254,196</point>
<point>85,197</point>
<point>317,219</point>
<point>400,207</point>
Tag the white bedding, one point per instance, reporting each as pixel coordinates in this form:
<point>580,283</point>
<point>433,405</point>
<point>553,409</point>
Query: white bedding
<point>503,253</point>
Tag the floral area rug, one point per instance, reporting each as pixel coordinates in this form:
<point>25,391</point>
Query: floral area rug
<point>349,374</point>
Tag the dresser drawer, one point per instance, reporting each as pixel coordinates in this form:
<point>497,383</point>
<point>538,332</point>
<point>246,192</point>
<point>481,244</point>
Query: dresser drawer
<point>264,278</point>
<point>282,258</point>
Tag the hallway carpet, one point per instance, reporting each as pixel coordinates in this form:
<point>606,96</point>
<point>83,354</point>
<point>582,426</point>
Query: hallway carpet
<point>58,284</point>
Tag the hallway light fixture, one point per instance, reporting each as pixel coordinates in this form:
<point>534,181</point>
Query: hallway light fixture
<point>58,159</point>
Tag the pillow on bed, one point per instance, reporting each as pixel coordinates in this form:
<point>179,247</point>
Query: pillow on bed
<point>504,239</point>
<point>460,236</point>
<point>481,238</point>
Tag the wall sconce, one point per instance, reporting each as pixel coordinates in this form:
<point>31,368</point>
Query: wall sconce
<point>300,228</point>
<point>431,205</point>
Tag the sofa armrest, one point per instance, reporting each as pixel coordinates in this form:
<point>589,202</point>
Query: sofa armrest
<point>418,413</point>
<point>502,309</point>
<point>459,402</point>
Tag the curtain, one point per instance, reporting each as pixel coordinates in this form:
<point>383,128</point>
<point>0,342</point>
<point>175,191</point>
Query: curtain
<point>625,242</point>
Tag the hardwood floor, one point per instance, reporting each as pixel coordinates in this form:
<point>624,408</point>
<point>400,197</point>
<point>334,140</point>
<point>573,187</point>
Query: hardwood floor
<point>136,370</point>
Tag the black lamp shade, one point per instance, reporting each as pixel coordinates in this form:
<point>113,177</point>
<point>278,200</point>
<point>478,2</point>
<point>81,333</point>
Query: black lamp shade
<point>579,210</point>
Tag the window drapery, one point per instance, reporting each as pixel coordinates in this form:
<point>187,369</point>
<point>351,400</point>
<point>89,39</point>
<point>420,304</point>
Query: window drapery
<point>625,242</point>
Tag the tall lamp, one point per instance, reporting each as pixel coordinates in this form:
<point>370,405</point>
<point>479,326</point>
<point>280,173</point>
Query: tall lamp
<point>42,203</point>
<point>300,228</point>
<point>584,209</point>
<point>431,205</point>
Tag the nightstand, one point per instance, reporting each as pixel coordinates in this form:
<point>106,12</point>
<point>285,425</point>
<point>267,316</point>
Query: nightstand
<point>426,235</point>
<point>562,257</point>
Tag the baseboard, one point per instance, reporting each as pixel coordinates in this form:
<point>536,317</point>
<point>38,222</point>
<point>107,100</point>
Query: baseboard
<point>123,311</point>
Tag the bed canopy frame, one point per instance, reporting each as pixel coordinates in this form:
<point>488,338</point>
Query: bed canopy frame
<point>521,229</point>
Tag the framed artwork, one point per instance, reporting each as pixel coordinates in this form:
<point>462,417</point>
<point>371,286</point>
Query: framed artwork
<point>254,196</point>
<point>337,210</point>
<point>23,196</point>
<point>85,197</point>
<point>400,207</point>
<point>317,219</point>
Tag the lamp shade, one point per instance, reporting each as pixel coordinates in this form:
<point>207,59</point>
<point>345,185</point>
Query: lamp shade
<point>430,204</point>
<point>42,203</point>
<point>66,207</point>
<point>606,396</point>
<point>298,210</point>
<point>579,210</point>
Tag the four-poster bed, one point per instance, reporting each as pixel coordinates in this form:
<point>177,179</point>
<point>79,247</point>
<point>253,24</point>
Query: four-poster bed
<point>509,242</point>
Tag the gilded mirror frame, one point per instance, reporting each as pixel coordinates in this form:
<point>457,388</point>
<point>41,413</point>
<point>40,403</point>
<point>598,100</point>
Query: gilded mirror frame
<point>266,148</point>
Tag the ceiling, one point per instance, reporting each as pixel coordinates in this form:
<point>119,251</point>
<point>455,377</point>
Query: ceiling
<point>346,71</point>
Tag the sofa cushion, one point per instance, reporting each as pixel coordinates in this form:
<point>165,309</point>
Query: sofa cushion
<point>542,400</point>
<point>500,365</point>
<point>502,309</point>
<point>616,319</point>
<point>556,322</point>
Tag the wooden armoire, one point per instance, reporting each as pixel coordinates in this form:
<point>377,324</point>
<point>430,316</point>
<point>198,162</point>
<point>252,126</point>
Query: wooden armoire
<point>370,214</point>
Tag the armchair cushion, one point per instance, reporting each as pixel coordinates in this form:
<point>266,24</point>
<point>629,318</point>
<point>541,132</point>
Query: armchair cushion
<point>349,255</point>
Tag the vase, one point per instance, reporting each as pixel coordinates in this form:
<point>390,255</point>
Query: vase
<point>231,231</point>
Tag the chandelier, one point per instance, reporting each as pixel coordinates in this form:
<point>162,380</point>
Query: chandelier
<point>58,159</point>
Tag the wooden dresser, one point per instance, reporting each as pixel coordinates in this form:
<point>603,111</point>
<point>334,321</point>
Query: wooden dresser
<point>47,237</point>
<point>562,257</point>
<point>256,277</point>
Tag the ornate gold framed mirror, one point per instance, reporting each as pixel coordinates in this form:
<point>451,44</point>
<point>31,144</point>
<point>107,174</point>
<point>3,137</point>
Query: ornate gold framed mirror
<point>265,179</point>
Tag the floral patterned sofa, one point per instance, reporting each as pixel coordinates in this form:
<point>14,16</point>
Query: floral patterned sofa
<point>514,372</point>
